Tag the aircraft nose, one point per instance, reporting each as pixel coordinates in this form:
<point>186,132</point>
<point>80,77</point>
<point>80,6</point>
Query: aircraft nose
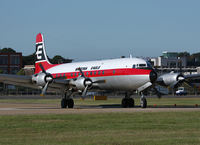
<point>153,76</point>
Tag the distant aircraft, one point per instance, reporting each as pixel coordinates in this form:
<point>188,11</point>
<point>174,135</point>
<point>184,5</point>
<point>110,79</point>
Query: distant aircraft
<point>125,74</point>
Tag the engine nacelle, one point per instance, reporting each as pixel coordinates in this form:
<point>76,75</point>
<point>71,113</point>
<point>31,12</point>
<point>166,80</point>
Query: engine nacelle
<point>41,79</point>
<point>170,79</point>
<point>81,82</point>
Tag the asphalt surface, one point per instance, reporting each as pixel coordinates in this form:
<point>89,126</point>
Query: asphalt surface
<point>35,108</point>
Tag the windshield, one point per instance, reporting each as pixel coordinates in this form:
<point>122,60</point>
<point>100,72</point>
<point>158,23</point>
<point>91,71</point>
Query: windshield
<point>146,65</point>
<point>149,65</point>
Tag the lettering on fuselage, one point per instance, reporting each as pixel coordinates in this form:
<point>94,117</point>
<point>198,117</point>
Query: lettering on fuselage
<point>85,68</point>
<point>82,68</point>
<point>95,67</point>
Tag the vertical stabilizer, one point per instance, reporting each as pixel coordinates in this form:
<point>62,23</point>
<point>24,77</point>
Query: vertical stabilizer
<point>41,56</point>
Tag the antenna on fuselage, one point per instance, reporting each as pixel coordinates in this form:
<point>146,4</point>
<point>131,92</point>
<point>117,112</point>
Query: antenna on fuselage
<point>130,55</point>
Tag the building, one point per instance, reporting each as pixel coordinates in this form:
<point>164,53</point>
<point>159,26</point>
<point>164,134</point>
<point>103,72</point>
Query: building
<point>10,63</point>
<point>169,60</point>
<point>29,70</point>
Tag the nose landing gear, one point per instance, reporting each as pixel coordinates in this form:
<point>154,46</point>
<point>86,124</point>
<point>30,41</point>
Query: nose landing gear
<point>143,102</point>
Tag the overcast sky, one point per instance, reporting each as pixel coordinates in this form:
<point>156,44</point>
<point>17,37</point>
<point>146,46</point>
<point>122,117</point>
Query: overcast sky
<point>91,29</point>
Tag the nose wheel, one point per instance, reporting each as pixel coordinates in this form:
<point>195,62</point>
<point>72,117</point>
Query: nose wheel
<point>143,102</point>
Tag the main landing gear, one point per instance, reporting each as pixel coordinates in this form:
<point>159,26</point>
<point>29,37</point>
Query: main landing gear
<point>67,102</point>
<point>128,102</point>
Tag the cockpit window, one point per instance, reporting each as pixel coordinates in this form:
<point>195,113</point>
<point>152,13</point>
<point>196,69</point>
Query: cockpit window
<point>146,65</point>
<point>142,65</point>
<point>149,65</point>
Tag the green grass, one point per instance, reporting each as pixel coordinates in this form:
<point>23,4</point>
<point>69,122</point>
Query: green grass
<point>140,128</point>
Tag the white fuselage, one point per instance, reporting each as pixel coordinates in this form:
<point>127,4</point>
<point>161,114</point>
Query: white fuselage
<point>119,74</point>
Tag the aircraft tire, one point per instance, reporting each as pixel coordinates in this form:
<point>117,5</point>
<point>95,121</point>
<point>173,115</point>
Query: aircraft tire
<point>70,103</point>
<point>63,103</point>
<point>125,103</point>
<point>131,102</point>
<point>143,102</point>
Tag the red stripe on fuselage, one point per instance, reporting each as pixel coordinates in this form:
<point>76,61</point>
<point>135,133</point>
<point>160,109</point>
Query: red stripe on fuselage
<point>103,73</point>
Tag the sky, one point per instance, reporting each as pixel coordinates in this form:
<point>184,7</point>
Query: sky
<point>100,29</point>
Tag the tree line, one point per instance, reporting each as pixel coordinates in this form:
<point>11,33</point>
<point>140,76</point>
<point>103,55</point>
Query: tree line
<point>192,59</point>
<point>30,59</point>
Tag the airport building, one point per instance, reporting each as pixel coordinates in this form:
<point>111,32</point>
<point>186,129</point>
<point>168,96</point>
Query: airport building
<point>169,60</point>
<point>10,63</point>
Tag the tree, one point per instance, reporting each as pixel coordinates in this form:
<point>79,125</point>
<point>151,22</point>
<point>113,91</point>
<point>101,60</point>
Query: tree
<point>21,72</point>
<point>28,60</point>
<point>182,54</point>
<point>7,50</point>
<point>59,59</point>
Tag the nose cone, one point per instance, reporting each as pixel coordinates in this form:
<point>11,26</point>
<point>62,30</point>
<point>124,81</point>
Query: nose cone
<point>153,76</point>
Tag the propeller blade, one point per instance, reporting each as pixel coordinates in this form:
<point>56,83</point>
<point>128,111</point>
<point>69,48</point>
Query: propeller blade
<point>85,91</point>
<point>157,93</point>
<point>82,74</point>
<point>43,70</point>
<point>44,89</point>
<point>188,83</point>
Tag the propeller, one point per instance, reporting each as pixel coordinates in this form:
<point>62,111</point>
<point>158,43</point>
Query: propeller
<point>88,83</point>
<point>48,79</point>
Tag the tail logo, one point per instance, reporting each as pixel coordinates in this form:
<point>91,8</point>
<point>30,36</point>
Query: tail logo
<point>39,52</point>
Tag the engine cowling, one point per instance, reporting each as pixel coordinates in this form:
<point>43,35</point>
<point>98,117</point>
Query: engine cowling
<point>170,79</point>
<point>42,78</point>
<point>81,82</point>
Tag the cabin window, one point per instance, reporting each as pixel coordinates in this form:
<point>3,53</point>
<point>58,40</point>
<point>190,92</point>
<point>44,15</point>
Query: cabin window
<point>99,72</point>
<point>87,73</point>
<point>95,73</point>
<point>134,66</point>
<point>60,75</point>
<point>71,74</point>
<point>74,74</point>
<point>90,73</point>
<point>79,74</point>
<point>113,71</point>
<point>56,75</point>
<point>102,72</point>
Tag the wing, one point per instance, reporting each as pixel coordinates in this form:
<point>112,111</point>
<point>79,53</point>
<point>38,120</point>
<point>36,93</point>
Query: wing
<point>26,81</point>
<point>192,76</point>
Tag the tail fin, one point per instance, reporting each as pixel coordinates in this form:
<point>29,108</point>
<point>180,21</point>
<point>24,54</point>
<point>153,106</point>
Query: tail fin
<point>41,56</point>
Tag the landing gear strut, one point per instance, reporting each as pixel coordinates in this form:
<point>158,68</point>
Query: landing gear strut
<point>67,102</point>
<point>127,101</point>
<point>143,101</point>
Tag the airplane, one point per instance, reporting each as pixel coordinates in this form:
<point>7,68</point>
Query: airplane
<point>124,74</point>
